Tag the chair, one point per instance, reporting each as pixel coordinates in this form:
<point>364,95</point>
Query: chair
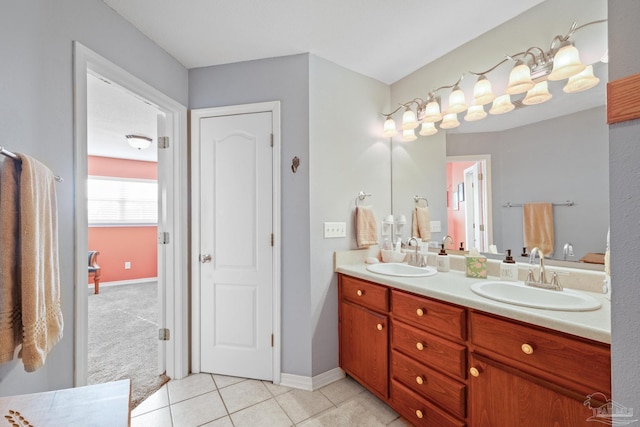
<point>94,269</point>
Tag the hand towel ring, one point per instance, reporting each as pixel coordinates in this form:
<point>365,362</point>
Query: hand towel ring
<point>417,199</point>
<point>361,196</point>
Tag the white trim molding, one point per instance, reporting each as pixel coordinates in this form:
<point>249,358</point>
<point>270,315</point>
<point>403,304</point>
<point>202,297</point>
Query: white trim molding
<point>312,383</point>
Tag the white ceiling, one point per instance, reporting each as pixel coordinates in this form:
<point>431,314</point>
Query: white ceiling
<point>381,39</point>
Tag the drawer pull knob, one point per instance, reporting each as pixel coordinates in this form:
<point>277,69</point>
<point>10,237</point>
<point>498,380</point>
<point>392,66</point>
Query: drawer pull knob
<point>474,371</point>
<point>419,380</point>
<point>527,348</point>
<point>420,312</point>
<point>419,414</point>
<point>379,326</point>
<point>359,293</point>
<point>420,346</point>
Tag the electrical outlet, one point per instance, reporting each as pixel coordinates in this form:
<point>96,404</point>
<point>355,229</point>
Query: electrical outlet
<point>335,229</point>
<point>127,265</point>
<point>436,227</point>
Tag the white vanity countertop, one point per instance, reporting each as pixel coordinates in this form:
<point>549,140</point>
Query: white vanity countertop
<point>454,287</point>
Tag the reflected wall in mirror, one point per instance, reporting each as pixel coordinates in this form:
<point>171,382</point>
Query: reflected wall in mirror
<point>551,152</point>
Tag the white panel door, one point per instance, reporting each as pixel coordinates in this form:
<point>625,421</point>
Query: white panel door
<point>236,224</point>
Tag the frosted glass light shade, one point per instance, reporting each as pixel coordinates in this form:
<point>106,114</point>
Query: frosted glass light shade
<point>538,95</point>
<point>139,142</point>
<point>581,81</point>
<point>409,120</point>
<point>519,79</point>
<point>450,121</point>
<point>409,135</point>
<point>566,63</point>
<point>432,113</point>
<point>428,129</point>
<point>457,102</point>
<point>475,113</point>
<point>482,91</point>
<point>389,129</point>
<point>502,104</point>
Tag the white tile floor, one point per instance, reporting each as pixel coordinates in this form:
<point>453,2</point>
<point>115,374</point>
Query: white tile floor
<point>220,401</point>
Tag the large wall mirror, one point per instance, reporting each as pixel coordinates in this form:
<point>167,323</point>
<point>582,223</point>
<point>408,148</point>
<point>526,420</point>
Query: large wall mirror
<point>556,152</point>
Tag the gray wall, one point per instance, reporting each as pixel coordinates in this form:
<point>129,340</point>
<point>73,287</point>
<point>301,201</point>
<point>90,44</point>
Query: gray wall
<point>284,79</point>
<point>624,168</point>
<point>346,155</point>
<point>36,118</point>
<point>566,158</point>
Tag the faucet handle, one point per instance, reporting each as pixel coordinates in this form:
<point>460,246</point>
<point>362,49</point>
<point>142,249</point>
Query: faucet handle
<point>555,283</point>
<point>530,278</point>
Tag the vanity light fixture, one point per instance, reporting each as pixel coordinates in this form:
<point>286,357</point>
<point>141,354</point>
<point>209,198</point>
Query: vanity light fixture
<point>139,142</point>
<point>533,67</point>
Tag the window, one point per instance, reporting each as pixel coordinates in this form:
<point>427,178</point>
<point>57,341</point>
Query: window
<point>122,201</point>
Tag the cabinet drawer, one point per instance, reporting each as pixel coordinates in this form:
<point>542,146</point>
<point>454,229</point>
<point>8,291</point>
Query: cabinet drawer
<point>417,410</point>
<point>442,390</point>
<point>439,317</point>
<point>429,349</point>
<point>364,293</point>
<point>543,351</point>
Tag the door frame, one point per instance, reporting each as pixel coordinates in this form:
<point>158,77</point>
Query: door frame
<point>174,269</point>
<point>196,115</point>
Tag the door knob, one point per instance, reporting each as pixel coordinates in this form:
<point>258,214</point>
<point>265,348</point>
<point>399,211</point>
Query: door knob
<point>204,258</point>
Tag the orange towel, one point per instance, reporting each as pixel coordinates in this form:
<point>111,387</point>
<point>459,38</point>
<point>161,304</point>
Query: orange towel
<point>366,229</point>
<point>10,310</point>
<point>39,265</point>
<point>538,227</point>
<point>421,225</point>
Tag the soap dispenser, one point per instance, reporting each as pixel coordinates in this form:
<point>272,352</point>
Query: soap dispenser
<point>509,268</point>
<point>442,260</point>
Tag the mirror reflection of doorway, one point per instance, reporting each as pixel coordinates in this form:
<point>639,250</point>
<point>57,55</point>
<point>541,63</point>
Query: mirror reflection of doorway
<point>469,202</point>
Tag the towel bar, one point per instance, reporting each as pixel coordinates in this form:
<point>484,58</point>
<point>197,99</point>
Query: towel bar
<point>515,205</point>
<point>13,156</point>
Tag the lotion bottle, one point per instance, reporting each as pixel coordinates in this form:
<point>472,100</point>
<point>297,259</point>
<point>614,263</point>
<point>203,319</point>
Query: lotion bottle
<point>442,260</point>
<point>509,268</point>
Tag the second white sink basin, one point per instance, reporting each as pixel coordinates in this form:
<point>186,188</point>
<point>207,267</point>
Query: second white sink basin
<point>400,269</point>
<point>518,293</point>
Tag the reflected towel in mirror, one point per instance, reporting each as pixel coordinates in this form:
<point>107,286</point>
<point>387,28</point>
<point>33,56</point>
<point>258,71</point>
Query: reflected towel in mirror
<point>421,224</point>
<point>537,223</point>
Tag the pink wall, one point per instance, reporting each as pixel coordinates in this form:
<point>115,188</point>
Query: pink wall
<point>455,219</point>
<point>117,245</point>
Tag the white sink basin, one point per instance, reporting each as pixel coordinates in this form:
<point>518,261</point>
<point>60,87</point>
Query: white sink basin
<point>400,269</point>
<point>518,293</point>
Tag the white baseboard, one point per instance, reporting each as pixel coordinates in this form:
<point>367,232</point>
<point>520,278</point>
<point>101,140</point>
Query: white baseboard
<point>126,282</point>
<point>311,383</point>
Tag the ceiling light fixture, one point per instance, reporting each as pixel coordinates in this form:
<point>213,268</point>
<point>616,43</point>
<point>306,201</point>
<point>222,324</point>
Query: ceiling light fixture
<point>139,141</point>
<point>533,67</point>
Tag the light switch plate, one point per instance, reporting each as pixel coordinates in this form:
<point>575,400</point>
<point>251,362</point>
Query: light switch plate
<point>333,230</point>
<point>436,227</point>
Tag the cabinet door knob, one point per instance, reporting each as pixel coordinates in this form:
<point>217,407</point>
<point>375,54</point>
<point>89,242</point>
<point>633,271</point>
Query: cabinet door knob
<point>419,380</point>
<point>420,346</point>
<point>474,371</point>
<point>419,414</point>
<point>420,312</point>
<point>359,293</point>
<point>527,348</point>
<point>379,326</point>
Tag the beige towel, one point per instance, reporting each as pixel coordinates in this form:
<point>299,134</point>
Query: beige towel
<point>421,224</point>
<point>538,227</point>
<point>39,268</point>
<point>10,310</point>
<point>366,228</point>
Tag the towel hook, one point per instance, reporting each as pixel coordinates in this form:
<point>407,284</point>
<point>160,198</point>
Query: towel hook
<point>417,199</point>
<point>361,196</point>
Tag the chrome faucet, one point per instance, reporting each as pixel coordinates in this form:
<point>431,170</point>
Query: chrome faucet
<point>416,259</point>
<point>444,240</point>
<point>567,250</point>
<point>542,279</point>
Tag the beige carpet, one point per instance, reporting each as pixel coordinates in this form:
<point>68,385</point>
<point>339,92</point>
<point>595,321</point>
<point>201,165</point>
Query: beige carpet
<point>123,338</point>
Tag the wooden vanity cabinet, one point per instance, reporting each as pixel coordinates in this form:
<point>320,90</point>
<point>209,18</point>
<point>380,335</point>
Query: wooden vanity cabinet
<point>529,376</point>
<point>364,333</point>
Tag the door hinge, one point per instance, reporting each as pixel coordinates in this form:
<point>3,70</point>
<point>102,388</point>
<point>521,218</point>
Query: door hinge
<point>272,140</point>
<point>163,142</point>
<point>480,176</point>
<point>163,238</point>
<point>272,340</point>
<point>272,239</point>
<point>163,334</point>
<point>481,227</point>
